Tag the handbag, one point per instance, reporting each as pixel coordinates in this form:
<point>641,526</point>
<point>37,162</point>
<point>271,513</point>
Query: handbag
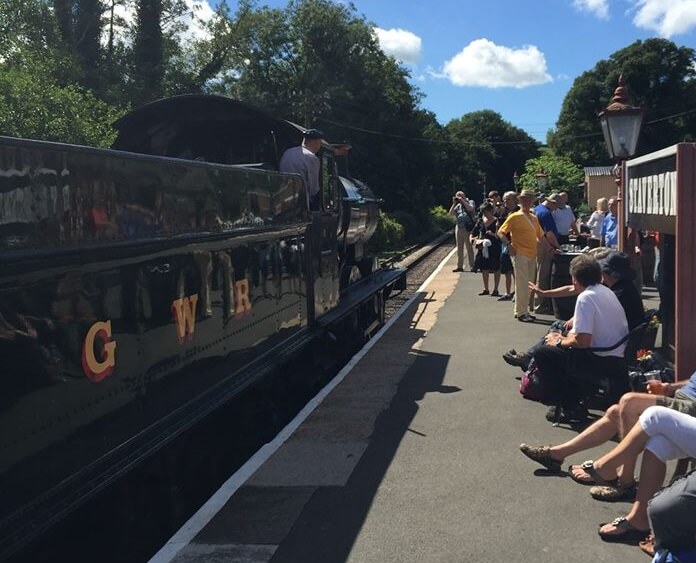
<point>533,385</point>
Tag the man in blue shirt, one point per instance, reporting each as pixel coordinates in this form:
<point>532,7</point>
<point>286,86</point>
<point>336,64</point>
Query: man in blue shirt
<point>610,226</point>
<point>546,248</point>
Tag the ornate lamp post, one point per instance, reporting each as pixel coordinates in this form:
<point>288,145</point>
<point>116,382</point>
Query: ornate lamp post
<point>542,180</point>
<point>621,124</point>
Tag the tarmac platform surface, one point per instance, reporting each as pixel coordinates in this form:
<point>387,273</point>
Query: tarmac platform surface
<point>413,457</point>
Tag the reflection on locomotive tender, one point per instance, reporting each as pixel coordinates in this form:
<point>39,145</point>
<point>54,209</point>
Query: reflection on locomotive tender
<point>139,292</point>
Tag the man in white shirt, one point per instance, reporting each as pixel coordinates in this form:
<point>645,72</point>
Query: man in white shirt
<point>303,160</point>
<point>599,322</point>
<point>565,219</point>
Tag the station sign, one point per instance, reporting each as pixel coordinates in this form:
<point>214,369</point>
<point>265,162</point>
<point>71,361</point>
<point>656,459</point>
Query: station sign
<point>651,191</point>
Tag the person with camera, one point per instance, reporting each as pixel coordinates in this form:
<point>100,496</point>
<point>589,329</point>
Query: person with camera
<point>463,211</point>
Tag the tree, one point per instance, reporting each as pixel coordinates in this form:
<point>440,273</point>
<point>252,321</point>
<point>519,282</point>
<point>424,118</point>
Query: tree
<point>35,106</point>
<point>40,95</point>
<point>660,77</point>
<point>486,151</point>
<point>318,63</point>
<point>148,52</point>
<point>563,175</point>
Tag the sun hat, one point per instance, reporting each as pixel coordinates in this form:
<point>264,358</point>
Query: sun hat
<point>527,193</point>
<point>617,264</point>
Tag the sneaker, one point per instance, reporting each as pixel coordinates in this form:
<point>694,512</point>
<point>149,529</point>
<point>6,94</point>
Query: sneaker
<point>526,318</point>
<point>506,297</point>
<point>542,455</point>
<point>484,292</point>
<point>517,360</point>
<point>458,270</point>
<point>494,293</point>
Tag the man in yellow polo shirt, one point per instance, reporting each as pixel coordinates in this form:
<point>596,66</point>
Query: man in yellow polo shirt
<point>521,232</point>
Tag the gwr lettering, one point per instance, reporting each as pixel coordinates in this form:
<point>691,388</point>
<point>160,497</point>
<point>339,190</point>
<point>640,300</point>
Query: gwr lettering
<point>98,369</point>
<point>241,297</point>
<point>184,312</point>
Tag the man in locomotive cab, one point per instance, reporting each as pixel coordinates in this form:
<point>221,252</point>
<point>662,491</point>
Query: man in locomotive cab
<point>303,160</point>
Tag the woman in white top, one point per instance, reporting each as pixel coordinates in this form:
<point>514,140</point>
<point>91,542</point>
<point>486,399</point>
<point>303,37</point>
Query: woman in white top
<point>597,218</point>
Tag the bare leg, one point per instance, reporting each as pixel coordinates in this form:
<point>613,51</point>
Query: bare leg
<point>622,415</point>
<point>508,283</point>
<point>632,405</point>
<point>630,447</point>
<point>484,275</point>
<point>652,475</point>
<point>594,435</point>
<point>496,280</point>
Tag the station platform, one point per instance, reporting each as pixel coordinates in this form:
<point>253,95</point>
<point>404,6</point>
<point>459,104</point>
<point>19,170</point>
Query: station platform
<point>411,455</point>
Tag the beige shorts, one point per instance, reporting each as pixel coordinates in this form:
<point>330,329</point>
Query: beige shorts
<point>680,403</point>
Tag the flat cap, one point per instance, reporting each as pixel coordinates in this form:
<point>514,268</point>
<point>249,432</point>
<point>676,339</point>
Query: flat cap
<point>313,134</point>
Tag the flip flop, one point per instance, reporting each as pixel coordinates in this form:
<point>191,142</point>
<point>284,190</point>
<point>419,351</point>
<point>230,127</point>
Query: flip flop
<point>589,468</point>
<point>648,545</point>
<point>627,533</point>
<point>614,493</point>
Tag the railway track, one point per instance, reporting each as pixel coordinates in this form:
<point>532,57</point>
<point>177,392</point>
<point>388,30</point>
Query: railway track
<point>420,262</point>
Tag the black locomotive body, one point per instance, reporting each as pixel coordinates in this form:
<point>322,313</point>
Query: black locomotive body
<point>139,292</point>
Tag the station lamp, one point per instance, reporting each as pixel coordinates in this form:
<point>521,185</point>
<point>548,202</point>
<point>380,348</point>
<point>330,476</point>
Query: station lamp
<point>621,123</point>
<point>542,180</point>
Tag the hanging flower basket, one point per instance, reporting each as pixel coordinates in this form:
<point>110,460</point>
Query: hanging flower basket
<point>650,334</point>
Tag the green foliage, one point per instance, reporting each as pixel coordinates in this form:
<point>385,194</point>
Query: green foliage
<point>318,63</point>
<point>563,175</point>
<point>389,234</point>
<point>659,76</point>
<point>413,228</point>
<point>34,106</point>
<point>484,153</point>
<point>440,220</point>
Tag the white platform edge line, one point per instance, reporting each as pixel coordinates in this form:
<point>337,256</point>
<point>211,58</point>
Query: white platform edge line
<point>213,505</point>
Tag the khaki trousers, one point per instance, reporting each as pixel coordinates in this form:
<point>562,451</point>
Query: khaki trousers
<point>462,237</point>
<point>525,271</point>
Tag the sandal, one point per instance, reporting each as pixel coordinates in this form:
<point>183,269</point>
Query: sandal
<point>625,532</point>
<point>615,493</point>
<point>595,478</point>
<point>542,455</point>
<point>648,545</point>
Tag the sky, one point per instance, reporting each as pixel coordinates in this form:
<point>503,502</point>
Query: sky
<point>516,57</point>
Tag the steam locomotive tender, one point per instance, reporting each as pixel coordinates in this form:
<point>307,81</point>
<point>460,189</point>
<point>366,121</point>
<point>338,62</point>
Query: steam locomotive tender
<point>143,287</point>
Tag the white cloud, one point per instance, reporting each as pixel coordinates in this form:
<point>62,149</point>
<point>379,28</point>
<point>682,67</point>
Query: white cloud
<point>401,44</point>
<point>483,63</point>
<point>198,14</point>
<point>599,8</point>
<point>666,17</point>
